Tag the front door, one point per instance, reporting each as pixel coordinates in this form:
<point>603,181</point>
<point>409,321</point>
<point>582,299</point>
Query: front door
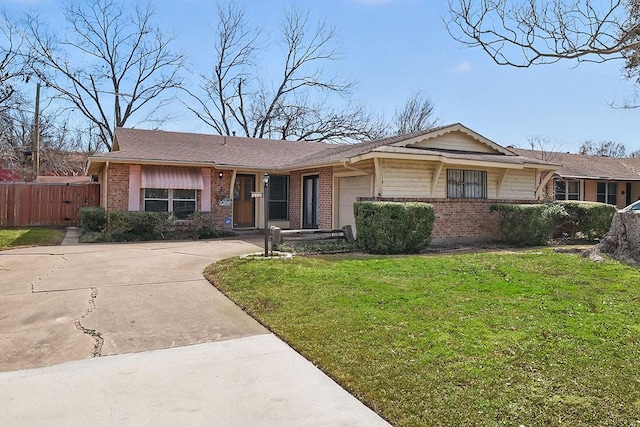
<point>243,204</point>
<point>310,201</point>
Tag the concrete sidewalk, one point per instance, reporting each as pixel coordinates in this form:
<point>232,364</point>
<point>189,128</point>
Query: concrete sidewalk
<point>252,381</point>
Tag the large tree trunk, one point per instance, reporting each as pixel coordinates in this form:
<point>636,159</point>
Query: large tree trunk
<point>622,242</point>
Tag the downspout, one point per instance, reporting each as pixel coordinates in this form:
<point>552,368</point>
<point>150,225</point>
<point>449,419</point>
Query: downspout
<point>106,186</point>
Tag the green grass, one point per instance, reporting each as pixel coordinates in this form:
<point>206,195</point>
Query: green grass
<point>530,338</point>
<point>38,236</point>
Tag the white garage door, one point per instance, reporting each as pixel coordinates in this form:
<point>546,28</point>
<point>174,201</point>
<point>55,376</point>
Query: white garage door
<point>350,189</point>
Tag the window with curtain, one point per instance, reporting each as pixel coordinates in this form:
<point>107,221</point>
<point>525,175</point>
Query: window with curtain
<point>466,184</point>
<point>181,203</point>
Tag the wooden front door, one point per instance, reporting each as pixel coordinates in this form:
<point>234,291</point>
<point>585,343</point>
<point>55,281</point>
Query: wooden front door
<point>310,201</point>
<point>243,204</point>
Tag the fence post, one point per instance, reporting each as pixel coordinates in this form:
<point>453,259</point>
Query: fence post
<point>348,233</point>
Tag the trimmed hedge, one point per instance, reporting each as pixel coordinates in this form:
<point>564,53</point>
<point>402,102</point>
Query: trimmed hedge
<point>591,219</point>
<point>537,224</point>
<point>136,226</point>
<point>93,219</point>
<point>393,228</point>
<point>528,225</point>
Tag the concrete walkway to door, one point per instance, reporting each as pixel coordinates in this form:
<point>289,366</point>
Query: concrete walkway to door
<point>180,352</point>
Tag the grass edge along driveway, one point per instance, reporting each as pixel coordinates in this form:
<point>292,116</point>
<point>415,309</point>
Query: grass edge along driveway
<point>529,338</point>
<point>34,236</point>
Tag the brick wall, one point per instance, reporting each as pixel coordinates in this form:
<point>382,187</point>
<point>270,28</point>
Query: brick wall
<point>461,220</point>
<point>325,183</point>
<point>295,199</point>
<point>220,191</point>
<point>326,198</point>
<point>118,192</point>
<point>118,187</point>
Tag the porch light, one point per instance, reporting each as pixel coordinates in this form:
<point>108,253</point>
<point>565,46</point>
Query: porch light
<point>220,175</point>
<point>265,196</point>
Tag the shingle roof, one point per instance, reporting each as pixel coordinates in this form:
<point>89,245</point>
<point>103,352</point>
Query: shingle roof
<point>162,146</point>
<point>334,154</point>
<point>135,145</point>
<point>589,167</point>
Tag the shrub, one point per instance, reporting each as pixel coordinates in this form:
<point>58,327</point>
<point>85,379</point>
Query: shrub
<point>393,228</point>
<point>591,219</point>
<point>93,219</point>
<point>528,224</point>
<point>203,226</point>
<point>135,226</point>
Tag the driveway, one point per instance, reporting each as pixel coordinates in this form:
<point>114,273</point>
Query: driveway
<point>180,353</point>
<point>76,302</point>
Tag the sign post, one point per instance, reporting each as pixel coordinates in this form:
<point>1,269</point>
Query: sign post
<point>265,180</point>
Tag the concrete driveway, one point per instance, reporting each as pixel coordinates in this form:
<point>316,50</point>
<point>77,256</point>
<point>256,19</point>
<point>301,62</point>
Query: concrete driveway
<point>180,353</point>
<point>76,302</point>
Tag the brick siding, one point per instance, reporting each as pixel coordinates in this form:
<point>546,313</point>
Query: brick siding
<point>461,220</point>
<point>325,183</point>
<point>118,187</point>
<point>219,191</point>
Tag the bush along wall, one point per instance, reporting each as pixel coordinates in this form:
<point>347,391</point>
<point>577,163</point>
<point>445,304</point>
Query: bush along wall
<point>93,219</point>
<point>393,228</point>
<point>537,224</point>
<point>528,225</point>
<point>136,226</point>
<point>140,226</point>
<point>585,219</point>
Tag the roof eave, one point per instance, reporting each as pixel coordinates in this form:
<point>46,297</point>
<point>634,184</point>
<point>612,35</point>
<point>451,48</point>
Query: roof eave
<point>595,178</point>
<point>446,160</point>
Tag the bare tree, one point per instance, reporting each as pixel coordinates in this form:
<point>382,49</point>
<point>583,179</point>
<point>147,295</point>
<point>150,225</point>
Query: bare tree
<point>522,33</point>
<point>416,115</point>
<point>545,149</point>
<point>110,64</point>
<point>604,148</point>
<point>12,64</point>
<point>236,96</point>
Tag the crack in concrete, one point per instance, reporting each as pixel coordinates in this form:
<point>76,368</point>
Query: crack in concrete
<point>48,273</point>
<point>97,337</point>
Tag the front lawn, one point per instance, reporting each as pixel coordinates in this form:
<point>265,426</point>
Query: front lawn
<point>531,338</point>
<point>36,236</point>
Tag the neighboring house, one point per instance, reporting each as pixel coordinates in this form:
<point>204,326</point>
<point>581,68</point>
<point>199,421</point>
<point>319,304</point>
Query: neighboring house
<point>591,178</point>
<point>8,172</point>
<point>314,185</point>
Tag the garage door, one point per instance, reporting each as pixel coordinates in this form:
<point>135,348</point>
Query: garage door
<point>350,188</point>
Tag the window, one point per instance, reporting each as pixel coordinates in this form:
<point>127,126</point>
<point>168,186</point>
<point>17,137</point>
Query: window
<point>181,202</point>
<point>279,197</point>
<point>607,193</point>
<point>567,189</point>
<point>466,184</point>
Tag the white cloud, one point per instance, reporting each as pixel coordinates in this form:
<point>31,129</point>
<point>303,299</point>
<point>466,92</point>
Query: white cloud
<point>462,67</point>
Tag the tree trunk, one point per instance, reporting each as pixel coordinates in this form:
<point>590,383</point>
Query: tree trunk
<point>622,242</point>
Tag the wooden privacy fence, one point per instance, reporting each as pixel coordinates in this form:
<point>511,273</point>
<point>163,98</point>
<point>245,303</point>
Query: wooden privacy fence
<point>31,204</point>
